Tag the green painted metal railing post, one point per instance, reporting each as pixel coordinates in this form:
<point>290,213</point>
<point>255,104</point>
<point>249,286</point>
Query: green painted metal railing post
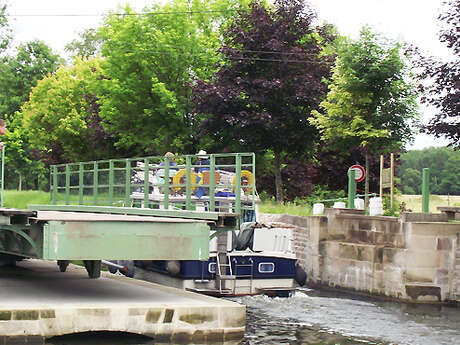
<point>54,185</point>
<point>188,183</point>
<point>80,184</point>
<point>146,182</point>
<point>111,181</point>
<point>351,188</point>
<point>212,184</point>
<point>67,184</point>
<point>3,177</point>
<point>127,182</point>
<point>426,190</point>
<point>95,182</point>
<point>238,184</point>
<point>166,183</point>
<point>63,186</point>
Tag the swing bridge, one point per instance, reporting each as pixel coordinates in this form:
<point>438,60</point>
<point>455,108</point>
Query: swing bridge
<point>149,208</point>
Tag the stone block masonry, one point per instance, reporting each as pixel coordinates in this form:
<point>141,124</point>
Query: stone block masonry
<point>455,282</point>
<point>39,302</point>
<point>415,257</point>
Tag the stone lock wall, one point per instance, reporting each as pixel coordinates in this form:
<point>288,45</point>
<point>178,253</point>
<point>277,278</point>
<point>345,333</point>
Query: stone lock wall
<point>365,254</point>
<point>431,261</point>
<point>308,233</point>
<point>455,292</point>
<point>415,257</point>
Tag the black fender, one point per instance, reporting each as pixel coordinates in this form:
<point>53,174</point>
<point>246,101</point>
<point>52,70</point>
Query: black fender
<point>300,275</point>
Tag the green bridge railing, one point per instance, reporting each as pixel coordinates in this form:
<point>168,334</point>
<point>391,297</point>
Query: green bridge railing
<point>215,182</point>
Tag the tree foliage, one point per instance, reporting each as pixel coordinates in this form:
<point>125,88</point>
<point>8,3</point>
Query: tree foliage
<point>23,169</point>
<point>18,74</point>
<point>441,79</point>
<point>87,45</point>
<point>62,116</point>
<point>444,165</point>
<point>370,103</point>
<point>149,62</point>
<point>5,31</point>
<point>271,80</point>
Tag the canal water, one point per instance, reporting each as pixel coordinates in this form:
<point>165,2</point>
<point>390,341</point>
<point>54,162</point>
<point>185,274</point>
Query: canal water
<point>325,318</point>
<point>314,317</point>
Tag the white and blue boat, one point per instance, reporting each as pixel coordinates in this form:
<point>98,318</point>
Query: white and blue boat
<point>259,259</point>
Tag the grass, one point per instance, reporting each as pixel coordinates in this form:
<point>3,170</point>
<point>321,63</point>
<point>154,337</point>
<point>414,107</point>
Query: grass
<point>414,202</point>
<point>271,206</point>
<point>22,199</point>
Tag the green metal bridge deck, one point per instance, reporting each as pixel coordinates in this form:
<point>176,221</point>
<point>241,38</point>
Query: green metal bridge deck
<point>147,208</point>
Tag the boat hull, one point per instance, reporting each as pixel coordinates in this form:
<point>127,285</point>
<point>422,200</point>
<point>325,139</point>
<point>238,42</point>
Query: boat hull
<point>270,275</point>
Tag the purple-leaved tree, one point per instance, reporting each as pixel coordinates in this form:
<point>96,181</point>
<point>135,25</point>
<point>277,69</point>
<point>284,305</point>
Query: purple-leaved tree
<point>261,97</point>
<point>443,90</point>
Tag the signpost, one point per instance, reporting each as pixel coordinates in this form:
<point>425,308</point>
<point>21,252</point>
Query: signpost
<point>356,173</point>
<point>360,173</point>
<point>387,178</point>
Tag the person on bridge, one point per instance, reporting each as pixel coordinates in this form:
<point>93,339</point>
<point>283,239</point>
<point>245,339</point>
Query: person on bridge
<point>172,163</point>
<point>203,159</point>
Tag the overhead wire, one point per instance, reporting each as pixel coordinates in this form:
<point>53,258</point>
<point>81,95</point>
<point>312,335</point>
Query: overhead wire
<point>190,53</point>
<point>197,53</point>
<point>252,51</point>
<point>117,14</point>
<point>176,48</point>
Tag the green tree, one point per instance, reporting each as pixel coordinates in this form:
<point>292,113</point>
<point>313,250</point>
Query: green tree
<point>89,44</point>
<point>441,162</point>
<point>61,118</point>
<point>19,73</point>
<point>411,181</point>
<point>22,168</point>
<point>150,62</point>
<point>450,177</point>
<point>5,31</point>
<point>370,102</point>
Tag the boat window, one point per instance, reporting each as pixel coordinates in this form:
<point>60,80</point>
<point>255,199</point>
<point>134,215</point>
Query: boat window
<point>266,267</point>
<point>212,267</point>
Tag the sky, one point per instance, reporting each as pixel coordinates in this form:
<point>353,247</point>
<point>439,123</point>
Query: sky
<point>411,21</point>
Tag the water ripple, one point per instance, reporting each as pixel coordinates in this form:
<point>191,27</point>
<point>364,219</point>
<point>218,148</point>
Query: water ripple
<point>313,317</point>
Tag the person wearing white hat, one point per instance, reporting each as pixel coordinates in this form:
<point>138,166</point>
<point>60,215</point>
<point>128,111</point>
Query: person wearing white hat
<point>203,159</point>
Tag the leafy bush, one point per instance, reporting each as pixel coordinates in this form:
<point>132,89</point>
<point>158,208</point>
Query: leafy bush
<point>387,210</point>
<point>321,193</point>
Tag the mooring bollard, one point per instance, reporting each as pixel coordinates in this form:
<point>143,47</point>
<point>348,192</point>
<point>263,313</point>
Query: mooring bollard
<point>426,190</point>
<point>351,188</point>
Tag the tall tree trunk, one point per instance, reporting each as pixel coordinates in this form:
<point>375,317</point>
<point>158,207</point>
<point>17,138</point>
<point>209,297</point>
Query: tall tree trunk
<point>20,182</point>
<point>366,182</point>
<point>278,179</point>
